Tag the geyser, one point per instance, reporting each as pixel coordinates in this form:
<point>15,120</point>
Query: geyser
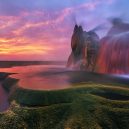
<point>84,47</point>
<point>114,51</point>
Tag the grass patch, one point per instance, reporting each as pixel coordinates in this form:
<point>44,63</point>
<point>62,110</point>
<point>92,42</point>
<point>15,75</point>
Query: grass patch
<point>74,108</point>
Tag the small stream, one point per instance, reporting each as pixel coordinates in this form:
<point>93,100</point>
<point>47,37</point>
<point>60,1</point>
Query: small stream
<point>4,104</point>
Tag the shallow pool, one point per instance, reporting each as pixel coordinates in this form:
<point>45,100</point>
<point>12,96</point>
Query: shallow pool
<point>40,77</point>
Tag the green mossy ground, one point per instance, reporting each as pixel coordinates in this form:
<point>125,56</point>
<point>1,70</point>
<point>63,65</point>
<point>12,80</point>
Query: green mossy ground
<point>73,108</point>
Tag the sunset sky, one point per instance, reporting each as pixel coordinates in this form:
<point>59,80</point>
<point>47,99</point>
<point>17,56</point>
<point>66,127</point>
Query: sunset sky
<point>41,29</point>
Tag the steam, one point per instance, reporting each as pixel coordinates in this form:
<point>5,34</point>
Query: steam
<point>74,19</point>
<point>111,13</point>
<point>99,27</point>
<point>114,51</point>
<point>115,20</point>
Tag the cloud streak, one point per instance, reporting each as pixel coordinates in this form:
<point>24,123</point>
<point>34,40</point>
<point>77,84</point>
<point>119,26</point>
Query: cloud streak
<point>45,28</point>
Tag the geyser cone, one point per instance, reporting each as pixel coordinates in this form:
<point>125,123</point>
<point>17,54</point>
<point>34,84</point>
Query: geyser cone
<point>114,51</point>
<point>84,47</point>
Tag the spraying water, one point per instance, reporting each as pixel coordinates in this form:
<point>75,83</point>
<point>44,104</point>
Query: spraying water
<point>114,51</point>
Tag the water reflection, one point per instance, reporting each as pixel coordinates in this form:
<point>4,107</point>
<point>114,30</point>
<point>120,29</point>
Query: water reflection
<point>122,75</point>
<point>39,77</point>
<point>4,104</point>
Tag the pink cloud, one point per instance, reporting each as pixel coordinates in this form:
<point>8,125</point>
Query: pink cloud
<point>41,32</point>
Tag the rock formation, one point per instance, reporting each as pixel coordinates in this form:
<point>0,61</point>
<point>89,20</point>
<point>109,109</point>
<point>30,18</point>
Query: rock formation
<point>84,49</point>
<point>114,51</point>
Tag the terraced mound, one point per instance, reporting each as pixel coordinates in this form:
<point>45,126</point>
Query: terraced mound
<point>84,106</point>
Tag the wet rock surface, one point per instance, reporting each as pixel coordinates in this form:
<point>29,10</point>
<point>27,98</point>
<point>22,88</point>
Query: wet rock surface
<point>84,47</point>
